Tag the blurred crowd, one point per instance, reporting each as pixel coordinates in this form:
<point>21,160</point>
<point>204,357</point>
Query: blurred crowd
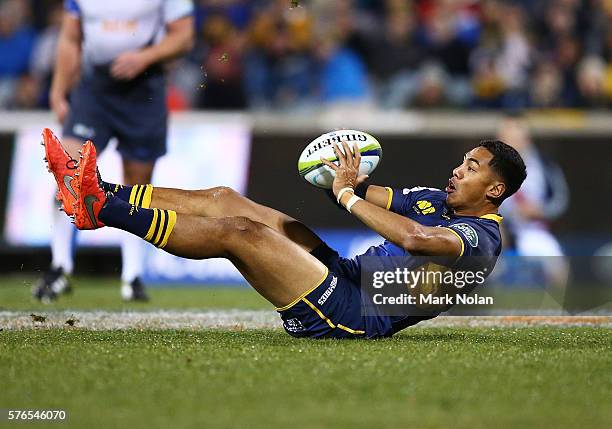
<point>300,54</point>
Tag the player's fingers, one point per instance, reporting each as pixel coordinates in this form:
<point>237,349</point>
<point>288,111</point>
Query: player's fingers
<point>63,112</point>
<point>339,155</point>
<point>329,164</point>
<point>116,71</point>
<point>121,74</point>
<point>120,69</point>
<point>357,158</point>
<point>115,66</point>
<point>347,151</point>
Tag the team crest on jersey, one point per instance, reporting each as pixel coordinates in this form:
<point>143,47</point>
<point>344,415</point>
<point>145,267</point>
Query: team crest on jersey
<point>468,232</point>
<point>424,207</point>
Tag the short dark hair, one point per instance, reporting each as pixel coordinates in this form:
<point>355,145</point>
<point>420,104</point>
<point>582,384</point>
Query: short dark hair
<point>508,164</point>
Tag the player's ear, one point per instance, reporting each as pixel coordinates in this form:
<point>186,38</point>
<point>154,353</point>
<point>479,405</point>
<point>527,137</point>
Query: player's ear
<point>496,190</point>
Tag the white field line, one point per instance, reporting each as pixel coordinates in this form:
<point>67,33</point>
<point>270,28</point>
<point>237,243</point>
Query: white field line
<point>260,319</point>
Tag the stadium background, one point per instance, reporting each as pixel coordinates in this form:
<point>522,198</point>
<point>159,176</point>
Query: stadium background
<point>437,80</point>
<point>429,78</point>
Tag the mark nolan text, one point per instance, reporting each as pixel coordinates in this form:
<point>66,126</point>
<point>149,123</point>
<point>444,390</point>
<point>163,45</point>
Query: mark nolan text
<point>380,299</point>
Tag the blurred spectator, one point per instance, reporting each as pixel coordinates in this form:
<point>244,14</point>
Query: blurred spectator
<point>43,55</point>
<point>223,86</point>
<point>590,77</point>
<point>16,42</point>
<point>546,85</point>
<point>27,91</point>
<point>448,33</point>
<point>393,57</point>
<point>502,60</point>
<point>527,214</point>
<point>285,54</point>
<point>280,65</point>
<point>342,72</point>
<point>542,197</point>
<point>343,75</point>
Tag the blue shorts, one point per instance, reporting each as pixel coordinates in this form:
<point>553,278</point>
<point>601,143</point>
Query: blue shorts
<point>134,112</point>
<point>332,308</point>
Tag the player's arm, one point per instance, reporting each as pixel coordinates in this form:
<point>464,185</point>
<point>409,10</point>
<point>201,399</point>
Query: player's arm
<point>178,40</point>
<point>377,195</point>
<point>67,64</point>
<point>404,232</point>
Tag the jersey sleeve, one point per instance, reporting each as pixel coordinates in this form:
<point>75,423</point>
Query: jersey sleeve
<point>402,199</point>
<point>177,9</point>
<point>72,7</point>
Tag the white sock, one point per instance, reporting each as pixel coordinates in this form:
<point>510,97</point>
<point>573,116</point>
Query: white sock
<point>132,255</point>
<point>62,242</point>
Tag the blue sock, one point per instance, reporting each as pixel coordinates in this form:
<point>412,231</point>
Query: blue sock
<point>138,195</point>
<point>152,225</point>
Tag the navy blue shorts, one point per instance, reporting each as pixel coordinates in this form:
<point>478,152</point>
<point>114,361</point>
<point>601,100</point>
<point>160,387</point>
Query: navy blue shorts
<point>134,112</point>
<point>332,308</point>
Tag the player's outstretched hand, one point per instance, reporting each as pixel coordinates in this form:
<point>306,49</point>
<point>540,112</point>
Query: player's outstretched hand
<point>347,170</point>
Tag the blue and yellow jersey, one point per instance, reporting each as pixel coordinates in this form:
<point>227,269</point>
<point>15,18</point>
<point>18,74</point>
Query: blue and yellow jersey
<point>480,236</point>
<point>339,308</point>
<point>480,242</point>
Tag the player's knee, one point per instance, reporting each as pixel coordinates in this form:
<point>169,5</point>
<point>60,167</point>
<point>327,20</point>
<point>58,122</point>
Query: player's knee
<point>243,227</point>
<point>217,194</point>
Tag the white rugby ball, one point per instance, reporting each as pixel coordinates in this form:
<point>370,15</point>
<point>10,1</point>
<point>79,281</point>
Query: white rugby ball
<point>316,173</point>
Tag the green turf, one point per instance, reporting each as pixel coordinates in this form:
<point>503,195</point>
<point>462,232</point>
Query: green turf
<point>435,377</point>
<point>103,294</point>
<point>423,378</point>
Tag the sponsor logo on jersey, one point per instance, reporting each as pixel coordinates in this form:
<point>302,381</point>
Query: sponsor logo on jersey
<point>328,291</point>
<point>293,325</point>
<point>424,207</point>
<point>468,232</point>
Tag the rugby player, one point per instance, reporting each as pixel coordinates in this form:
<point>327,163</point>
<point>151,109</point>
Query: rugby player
<point>109,60</point>
<point>286,262</point>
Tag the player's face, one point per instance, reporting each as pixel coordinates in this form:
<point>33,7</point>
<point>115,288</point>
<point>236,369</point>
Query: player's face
<point>472,181</point>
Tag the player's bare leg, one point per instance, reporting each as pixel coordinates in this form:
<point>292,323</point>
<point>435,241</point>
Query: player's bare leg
<point>279,269</point>
<point>214,202</point>
<point>223,201</point>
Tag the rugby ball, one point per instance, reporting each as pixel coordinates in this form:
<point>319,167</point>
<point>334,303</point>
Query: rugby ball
<point>316,173</point>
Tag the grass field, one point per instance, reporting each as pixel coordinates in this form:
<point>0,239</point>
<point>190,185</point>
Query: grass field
<point>425,377</point>
<point>90,293</point>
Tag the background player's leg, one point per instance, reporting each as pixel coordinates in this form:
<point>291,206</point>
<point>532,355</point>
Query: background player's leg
<point>223,201</point>
<point>72,146</point>
<point>132,248</point>
<point>63,238</point>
